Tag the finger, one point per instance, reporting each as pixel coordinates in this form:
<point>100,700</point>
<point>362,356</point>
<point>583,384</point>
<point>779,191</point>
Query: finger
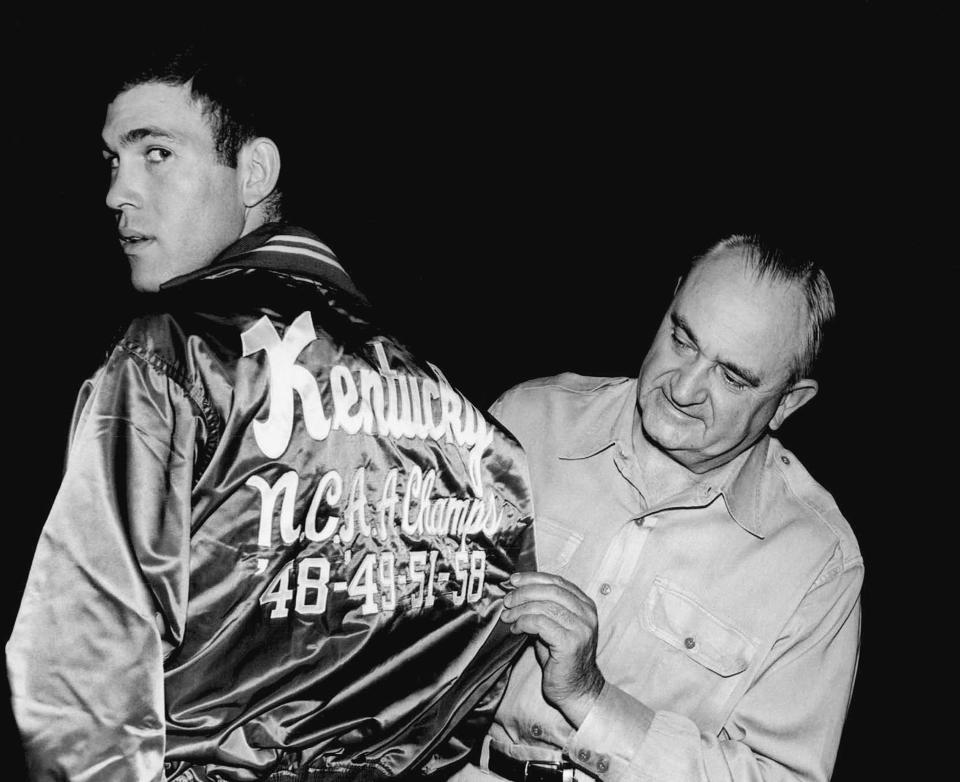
<point>574,624</point>
<point>546,629</point>
<point>540,577</point>
<point>548,592</point>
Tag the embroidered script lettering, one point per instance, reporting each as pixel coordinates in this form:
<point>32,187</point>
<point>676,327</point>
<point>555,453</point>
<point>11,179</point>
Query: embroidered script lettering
<point>395,405</point>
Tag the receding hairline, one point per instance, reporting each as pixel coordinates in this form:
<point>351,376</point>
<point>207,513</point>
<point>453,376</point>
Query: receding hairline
<point>767,260</point>
<point>751,271</point>
<point>792,306</point>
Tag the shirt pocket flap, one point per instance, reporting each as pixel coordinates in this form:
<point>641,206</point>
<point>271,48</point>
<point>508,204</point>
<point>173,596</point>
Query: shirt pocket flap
<point>678,619</point>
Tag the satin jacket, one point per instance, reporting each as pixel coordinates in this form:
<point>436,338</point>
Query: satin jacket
<point>277,545</point>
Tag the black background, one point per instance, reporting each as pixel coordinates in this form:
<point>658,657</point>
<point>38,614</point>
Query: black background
<point>518,196</point>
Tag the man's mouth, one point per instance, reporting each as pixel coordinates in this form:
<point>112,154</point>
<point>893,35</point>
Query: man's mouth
<point>133,240</point>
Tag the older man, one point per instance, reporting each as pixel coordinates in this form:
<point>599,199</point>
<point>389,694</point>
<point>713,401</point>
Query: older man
<point>698,617</point>
<point>278,546</point>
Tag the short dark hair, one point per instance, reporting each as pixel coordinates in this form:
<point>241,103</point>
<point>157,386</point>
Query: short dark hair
<point>768,260</point>
<point>233,103</point>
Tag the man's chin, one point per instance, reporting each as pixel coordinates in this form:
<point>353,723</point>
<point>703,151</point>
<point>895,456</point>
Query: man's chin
<point>668,431</point>
<point>142,281</point>
<point>145,271</point>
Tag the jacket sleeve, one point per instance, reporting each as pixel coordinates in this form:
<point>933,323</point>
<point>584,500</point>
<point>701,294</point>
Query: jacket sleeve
<point>468,733</point>
<point>106,592</point>
<point>785,727</point>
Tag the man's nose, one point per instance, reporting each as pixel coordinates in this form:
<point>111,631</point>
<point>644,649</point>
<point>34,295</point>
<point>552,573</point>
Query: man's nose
<point>123,190</point>
<point>688,386</point>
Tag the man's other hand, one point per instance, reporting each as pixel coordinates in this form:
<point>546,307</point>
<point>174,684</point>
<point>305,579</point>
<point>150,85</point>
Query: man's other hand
<point>564,620</point>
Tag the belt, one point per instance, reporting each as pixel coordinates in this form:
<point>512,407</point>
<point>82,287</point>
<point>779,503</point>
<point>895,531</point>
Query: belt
<point>530,770</point>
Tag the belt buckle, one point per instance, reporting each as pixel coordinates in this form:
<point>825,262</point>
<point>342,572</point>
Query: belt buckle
<point>568,774</point>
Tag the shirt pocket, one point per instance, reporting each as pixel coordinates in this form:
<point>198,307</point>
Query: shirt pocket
<point>555,545</point>
<point>679,619</point>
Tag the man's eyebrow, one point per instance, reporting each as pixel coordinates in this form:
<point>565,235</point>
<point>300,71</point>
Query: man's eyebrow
<point>750,376</point>
<point>138,134</point>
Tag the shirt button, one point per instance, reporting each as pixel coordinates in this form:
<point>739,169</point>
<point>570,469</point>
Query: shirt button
<point>689,642</point>
<point>785,460</point>
<point>605,589</point>
<point>603,764</point>
<point>536,730</point>
<point>583,755</point>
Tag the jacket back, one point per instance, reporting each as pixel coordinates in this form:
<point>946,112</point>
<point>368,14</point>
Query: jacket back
<point>299,527</point>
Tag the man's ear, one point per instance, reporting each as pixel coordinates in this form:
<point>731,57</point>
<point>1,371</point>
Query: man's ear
<point>259,164</point>
<point>793,399</point>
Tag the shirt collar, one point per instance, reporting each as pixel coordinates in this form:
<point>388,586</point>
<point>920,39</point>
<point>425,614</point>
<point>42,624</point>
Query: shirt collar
<point>617,432</point>
<point>741,488</point>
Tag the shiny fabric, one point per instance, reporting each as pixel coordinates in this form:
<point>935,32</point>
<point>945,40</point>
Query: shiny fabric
<point>729,615</point>
<point>277,545</point>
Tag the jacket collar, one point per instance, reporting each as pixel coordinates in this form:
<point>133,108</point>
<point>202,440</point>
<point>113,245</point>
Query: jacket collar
<point>741,488</point>
<point>281,248</point>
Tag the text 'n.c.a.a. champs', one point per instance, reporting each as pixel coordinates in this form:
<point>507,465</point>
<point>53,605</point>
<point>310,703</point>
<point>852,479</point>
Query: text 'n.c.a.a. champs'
<point>385,514</point>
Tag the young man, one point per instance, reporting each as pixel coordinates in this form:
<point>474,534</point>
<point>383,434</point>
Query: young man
<point>699,619</point>
<point>277,548</point>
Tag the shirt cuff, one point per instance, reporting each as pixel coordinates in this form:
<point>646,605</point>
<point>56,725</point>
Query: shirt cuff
<point>610,735</point>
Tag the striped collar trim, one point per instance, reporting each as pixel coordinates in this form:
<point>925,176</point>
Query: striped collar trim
<point>291,244</point>
<point>284,248</point>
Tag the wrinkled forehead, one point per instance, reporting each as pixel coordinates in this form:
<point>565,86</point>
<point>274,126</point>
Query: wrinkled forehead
<point>170,109</point>
<point>760,323</point>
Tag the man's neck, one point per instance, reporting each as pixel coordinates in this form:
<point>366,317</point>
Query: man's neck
<point>663,477</point>
<point>254,218</point>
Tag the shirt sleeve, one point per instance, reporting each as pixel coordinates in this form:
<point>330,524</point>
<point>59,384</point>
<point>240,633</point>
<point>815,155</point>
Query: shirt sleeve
<point>786,726</point>
<point>106,592</point>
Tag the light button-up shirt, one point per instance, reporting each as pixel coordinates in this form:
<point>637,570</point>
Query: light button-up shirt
<point>728,615</point>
